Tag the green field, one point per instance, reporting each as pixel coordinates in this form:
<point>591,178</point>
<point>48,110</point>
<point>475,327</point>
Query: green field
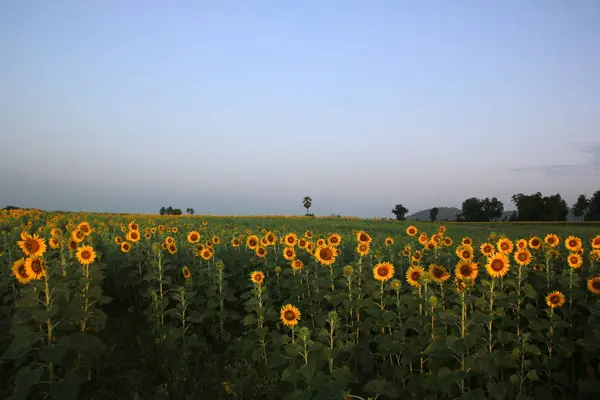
<point>96,306</point>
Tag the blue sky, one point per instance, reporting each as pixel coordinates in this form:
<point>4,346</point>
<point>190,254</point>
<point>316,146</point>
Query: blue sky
<point>238,107</point>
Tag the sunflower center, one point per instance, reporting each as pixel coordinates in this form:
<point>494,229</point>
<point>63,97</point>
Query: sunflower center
<point>36,266</point>
<point>326,254</point>
<point>574,260</point>
<point>23,271</point>
<point>497,265</point>
<point>596,284</point>
<point>504,246</point>
<point>465,270</point>
<point>86,255</point>
<point>32,245</point>
<point>415,275</point>
<point>555,299</point>
<point>522,257</point>
<point>466,254</point>
<point>382,271</point>
<point>572,243</point>
<point>289,316</point>
<point>437,272</point>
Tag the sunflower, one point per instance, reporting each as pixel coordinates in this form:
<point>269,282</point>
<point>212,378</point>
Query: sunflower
<point>575,260</point>
<point>573,243</point>
<point>35,267</point>
<point>206,254</point>
<point>73,245</point>
<point>235,242</point>
<point>252,242</point>
<point>521,244</point>
<point>271,238</point>
<point>466,270</point>
<point>334,239</point>
<point>290,239</point>
<point>348,271</point>
<point>552,240</point>
<point>596,242</point>
<point>363,249</point>
<point>264,242</point>
<point>118,239</point>
<point>487,249</point>
<point>289,315</point>
<point>414,274</point>
<point>174,229</point>
<point>86,255</point>
<point>363,237</point>
<point>442,229</point>
<point>297,265</point>
<point>423,238</point>
<point>33,246</point>
<point>497,265</point>
<point>504,245</point>
<point>438,273</point>
<point>302,243</point>
<point>54,243</point>
<point>187,274</point>
<point>555,299</point>
<point>593,284</point>
<point>321,243</point>
<point>148,235</point>
<point>383,271</point>
<point>389,241</point>
<point>289,253</point>
<point>522,257</point>
<point>257,277</point>
<point>465,252</point>
<point>447,241</point>
<point>535,242</point>
<point>77,235</point>
<point>169,240</point>
<point>193,237</point>
<point>406,252</point>
<point>20,272</point>
<point>326,254</point>
<point>430,245</point>
<point>467,241</point>
<point>412,230</point>
<point>85,227</point>
<point>216,240</point>
<point>308,234</point>
<point>172,248</point>
<point>133,226</point>
<point>125,247</point>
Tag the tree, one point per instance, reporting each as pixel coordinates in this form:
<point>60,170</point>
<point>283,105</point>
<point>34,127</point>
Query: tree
<point>163,210</point>
<point>481,210</point>
<point>536,207</point>
<point>190,211</point>
<point>433,213</point>
<point>592,213</point>
<point>581,205</point>
<point>307,203</point>
<point>400,212</point>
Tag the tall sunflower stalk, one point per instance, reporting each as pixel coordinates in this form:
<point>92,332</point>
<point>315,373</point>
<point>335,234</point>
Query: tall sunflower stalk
<point>257,279</point>
<point>220,266</point>
<point>333,320</point>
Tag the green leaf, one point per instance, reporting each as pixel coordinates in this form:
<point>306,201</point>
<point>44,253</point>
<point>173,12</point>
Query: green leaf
<point>26,378</point>
<point>375,386</point>
<point>532,375</point>
<point>290,374</point>
<point>249,319</point>
<point>533,349</point>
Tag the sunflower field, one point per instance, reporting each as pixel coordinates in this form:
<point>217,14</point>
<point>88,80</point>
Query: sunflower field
<point>102,306</point>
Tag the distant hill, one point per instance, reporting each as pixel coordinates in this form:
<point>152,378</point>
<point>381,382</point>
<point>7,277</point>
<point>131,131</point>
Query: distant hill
<point>450,213</point>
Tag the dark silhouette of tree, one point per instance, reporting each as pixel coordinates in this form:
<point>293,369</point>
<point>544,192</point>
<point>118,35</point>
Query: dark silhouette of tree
<point>163,210</point>
<point>400,212</point>
<point>581,205</point>
<point>481,210</point>
<point>536,207</point>
<point>307,203</point>
<point>592,212</point>
<point>170,211</point>
<point>433,213</point>
<point>190,211</point>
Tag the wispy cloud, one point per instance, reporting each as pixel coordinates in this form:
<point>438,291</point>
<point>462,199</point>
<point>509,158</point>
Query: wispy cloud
<point>590,163</point>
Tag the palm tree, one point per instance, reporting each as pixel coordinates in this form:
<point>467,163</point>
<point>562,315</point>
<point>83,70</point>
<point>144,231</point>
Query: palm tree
<point>307,202</point>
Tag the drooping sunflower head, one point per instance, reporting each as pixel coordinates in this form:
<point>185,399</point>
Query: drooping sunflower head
<point>187,274</point>
<point>348,271</point>
<point>575,260</point>
<point>383,271</point>
<point>257,277</point>
<point>414,275</point>
<point>593,285</point>
<point>573,243</point>
<point>326,255</point>
<point>289,315</point>
<point>438,273</point>
<point>412,230</point>
<point>86,255</point>
<point>497,265</point>
<point>555,299</point>
<point>522,257</point>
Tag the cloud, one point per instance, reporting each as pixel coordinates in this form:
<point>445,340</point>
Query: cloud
<point>590,165</point>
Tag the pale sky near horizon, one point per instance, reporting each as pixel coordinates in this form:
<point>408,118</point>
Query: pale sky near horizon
<point>238,107</point>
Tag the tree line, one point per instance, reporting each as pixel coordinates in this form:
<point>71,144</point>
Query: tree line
<point>531,207</point>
